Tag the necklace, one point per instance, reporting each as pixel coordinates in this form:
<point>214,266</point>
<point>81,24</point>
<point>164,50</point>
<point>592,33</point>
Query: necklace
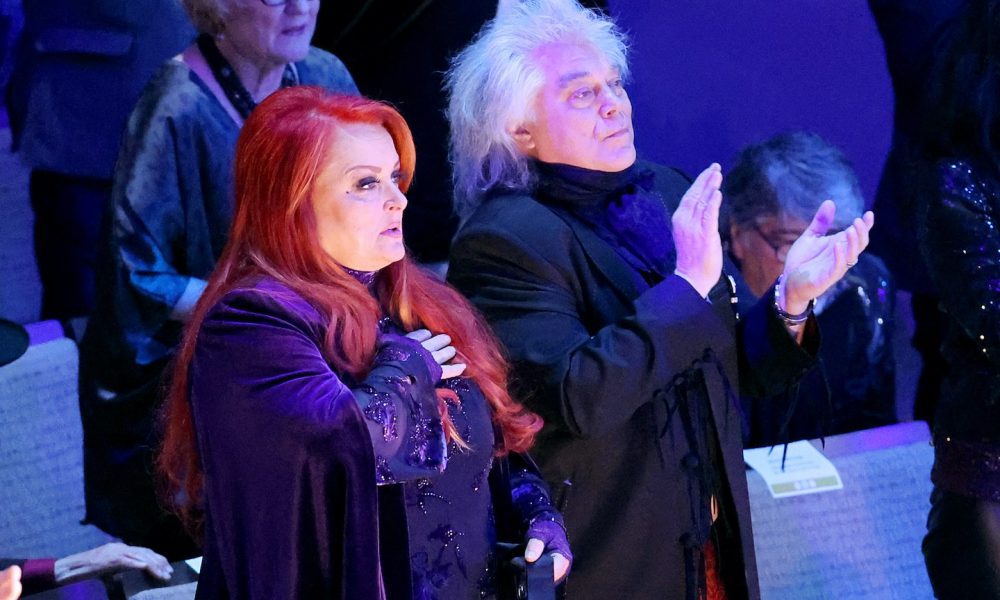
<point>230,83</point>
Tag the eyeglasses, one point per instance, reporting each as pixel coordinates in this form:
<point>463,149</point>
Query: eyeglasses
<point>780,241</point>
<point>282,2</point>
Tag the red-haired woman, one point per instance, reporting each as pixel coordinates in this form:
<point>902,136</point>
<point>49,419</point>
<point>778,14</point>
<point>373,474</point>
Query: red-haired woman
<point>297,390</point>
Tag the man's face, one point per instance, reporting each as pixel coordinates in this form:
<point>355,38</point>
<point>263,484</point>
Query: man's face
<point>583,116</point>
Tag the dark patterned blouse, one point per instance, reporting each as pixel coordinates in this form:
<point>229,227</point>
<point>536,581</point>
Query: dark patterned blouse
<point>450,516</point>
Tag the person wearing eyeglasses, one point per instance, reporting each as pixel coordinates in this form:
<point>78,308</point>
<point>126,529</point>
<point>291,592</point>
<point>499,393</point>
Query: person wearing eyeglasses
<point>170,212</point>
<point>771,194</point>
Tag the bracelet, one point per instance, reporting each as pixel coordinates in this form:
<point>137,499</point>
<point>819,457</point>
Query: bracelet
<point>789,318</point>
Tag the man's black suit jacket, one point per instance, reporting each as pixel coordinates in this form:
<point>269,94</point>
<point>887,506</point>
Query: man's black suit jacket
<point>605,361</point>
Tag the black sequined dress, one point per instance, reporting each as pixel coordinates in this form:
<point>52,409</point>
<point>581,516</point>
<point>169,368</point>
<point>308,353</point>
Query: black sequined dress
<point>450,519</point>
<point>961,243</point>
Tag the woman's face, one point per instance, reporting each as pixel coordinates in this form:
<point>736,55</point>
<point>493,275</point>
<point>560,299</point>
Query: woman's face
<point>271,35</point>
<point>357,201</point>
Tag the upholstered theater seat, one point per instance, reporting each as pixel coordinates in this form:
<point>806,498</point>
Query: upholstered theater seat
<point>41,455</point>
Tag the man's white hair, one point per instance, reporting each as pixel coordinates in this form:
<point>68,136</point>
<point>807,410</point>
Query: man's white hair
<point>492,85</point>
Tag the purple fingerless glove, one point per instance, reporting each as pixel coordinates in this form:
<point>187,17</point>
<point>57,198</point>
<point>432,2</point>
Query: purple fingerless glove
<point>553,535</point>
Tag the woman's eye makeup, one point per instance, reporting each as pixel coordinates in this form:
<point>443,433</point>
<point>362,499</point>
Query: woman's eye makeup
<point>372,182</point>
<point>367,183</point>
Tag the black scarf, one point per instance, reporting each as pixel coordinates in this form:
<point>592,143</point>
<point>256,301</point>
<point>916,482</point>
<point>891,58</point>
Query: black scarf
<point>623,209</point>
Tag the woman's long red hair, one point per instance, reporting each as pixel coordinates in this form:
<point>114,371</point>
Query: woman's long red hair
<point>282,149</point>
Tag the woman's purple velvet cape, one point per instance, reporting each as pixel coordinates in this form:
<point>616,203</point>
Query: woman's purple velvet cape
<point>292,506</point>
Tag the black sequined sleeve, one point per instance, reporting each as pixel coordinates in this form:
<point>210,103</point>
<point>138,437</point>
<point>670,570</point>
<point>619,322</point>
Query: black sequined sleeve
<point>961,244</point>
<point>400,404</point>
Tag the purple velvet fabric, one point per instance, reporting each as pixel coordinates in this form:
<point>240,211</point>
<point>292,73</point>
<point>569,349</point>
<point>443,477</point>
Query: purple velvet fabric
<point>292,507</point>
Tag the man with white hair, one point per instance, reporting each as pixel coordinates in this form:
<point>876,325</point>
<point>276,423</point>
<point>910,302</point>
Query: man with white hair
<point>616,315</point>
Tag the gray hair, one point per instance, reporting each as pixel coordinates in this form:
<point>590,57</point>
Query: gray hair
<point>493,82</point>
<point>207,16</point>
<point>792,173</point>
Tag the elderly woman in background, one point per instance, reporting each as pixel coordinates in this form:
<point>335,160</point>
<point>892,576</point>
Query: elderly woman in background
<point>616,316</point>
<point>772,192</point>
<point>166,226</point>
<point>296,390</point>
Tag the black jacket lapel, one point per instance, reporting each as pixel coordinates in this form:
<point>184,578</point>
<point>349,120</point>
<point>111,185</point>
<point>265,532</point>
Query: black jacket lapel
<point>605,259</point>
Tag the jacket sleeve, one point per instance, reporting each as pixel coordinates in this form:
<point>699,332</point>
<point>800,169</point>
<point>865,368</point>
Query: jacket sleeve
<point>771,362</point>
<point>400,405</point>
<point>148,228</point>
<point>529,492</point>
<point>260,350</point>
<point>533,504</point>
<point>961,246</point>
<point>585,380</point>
